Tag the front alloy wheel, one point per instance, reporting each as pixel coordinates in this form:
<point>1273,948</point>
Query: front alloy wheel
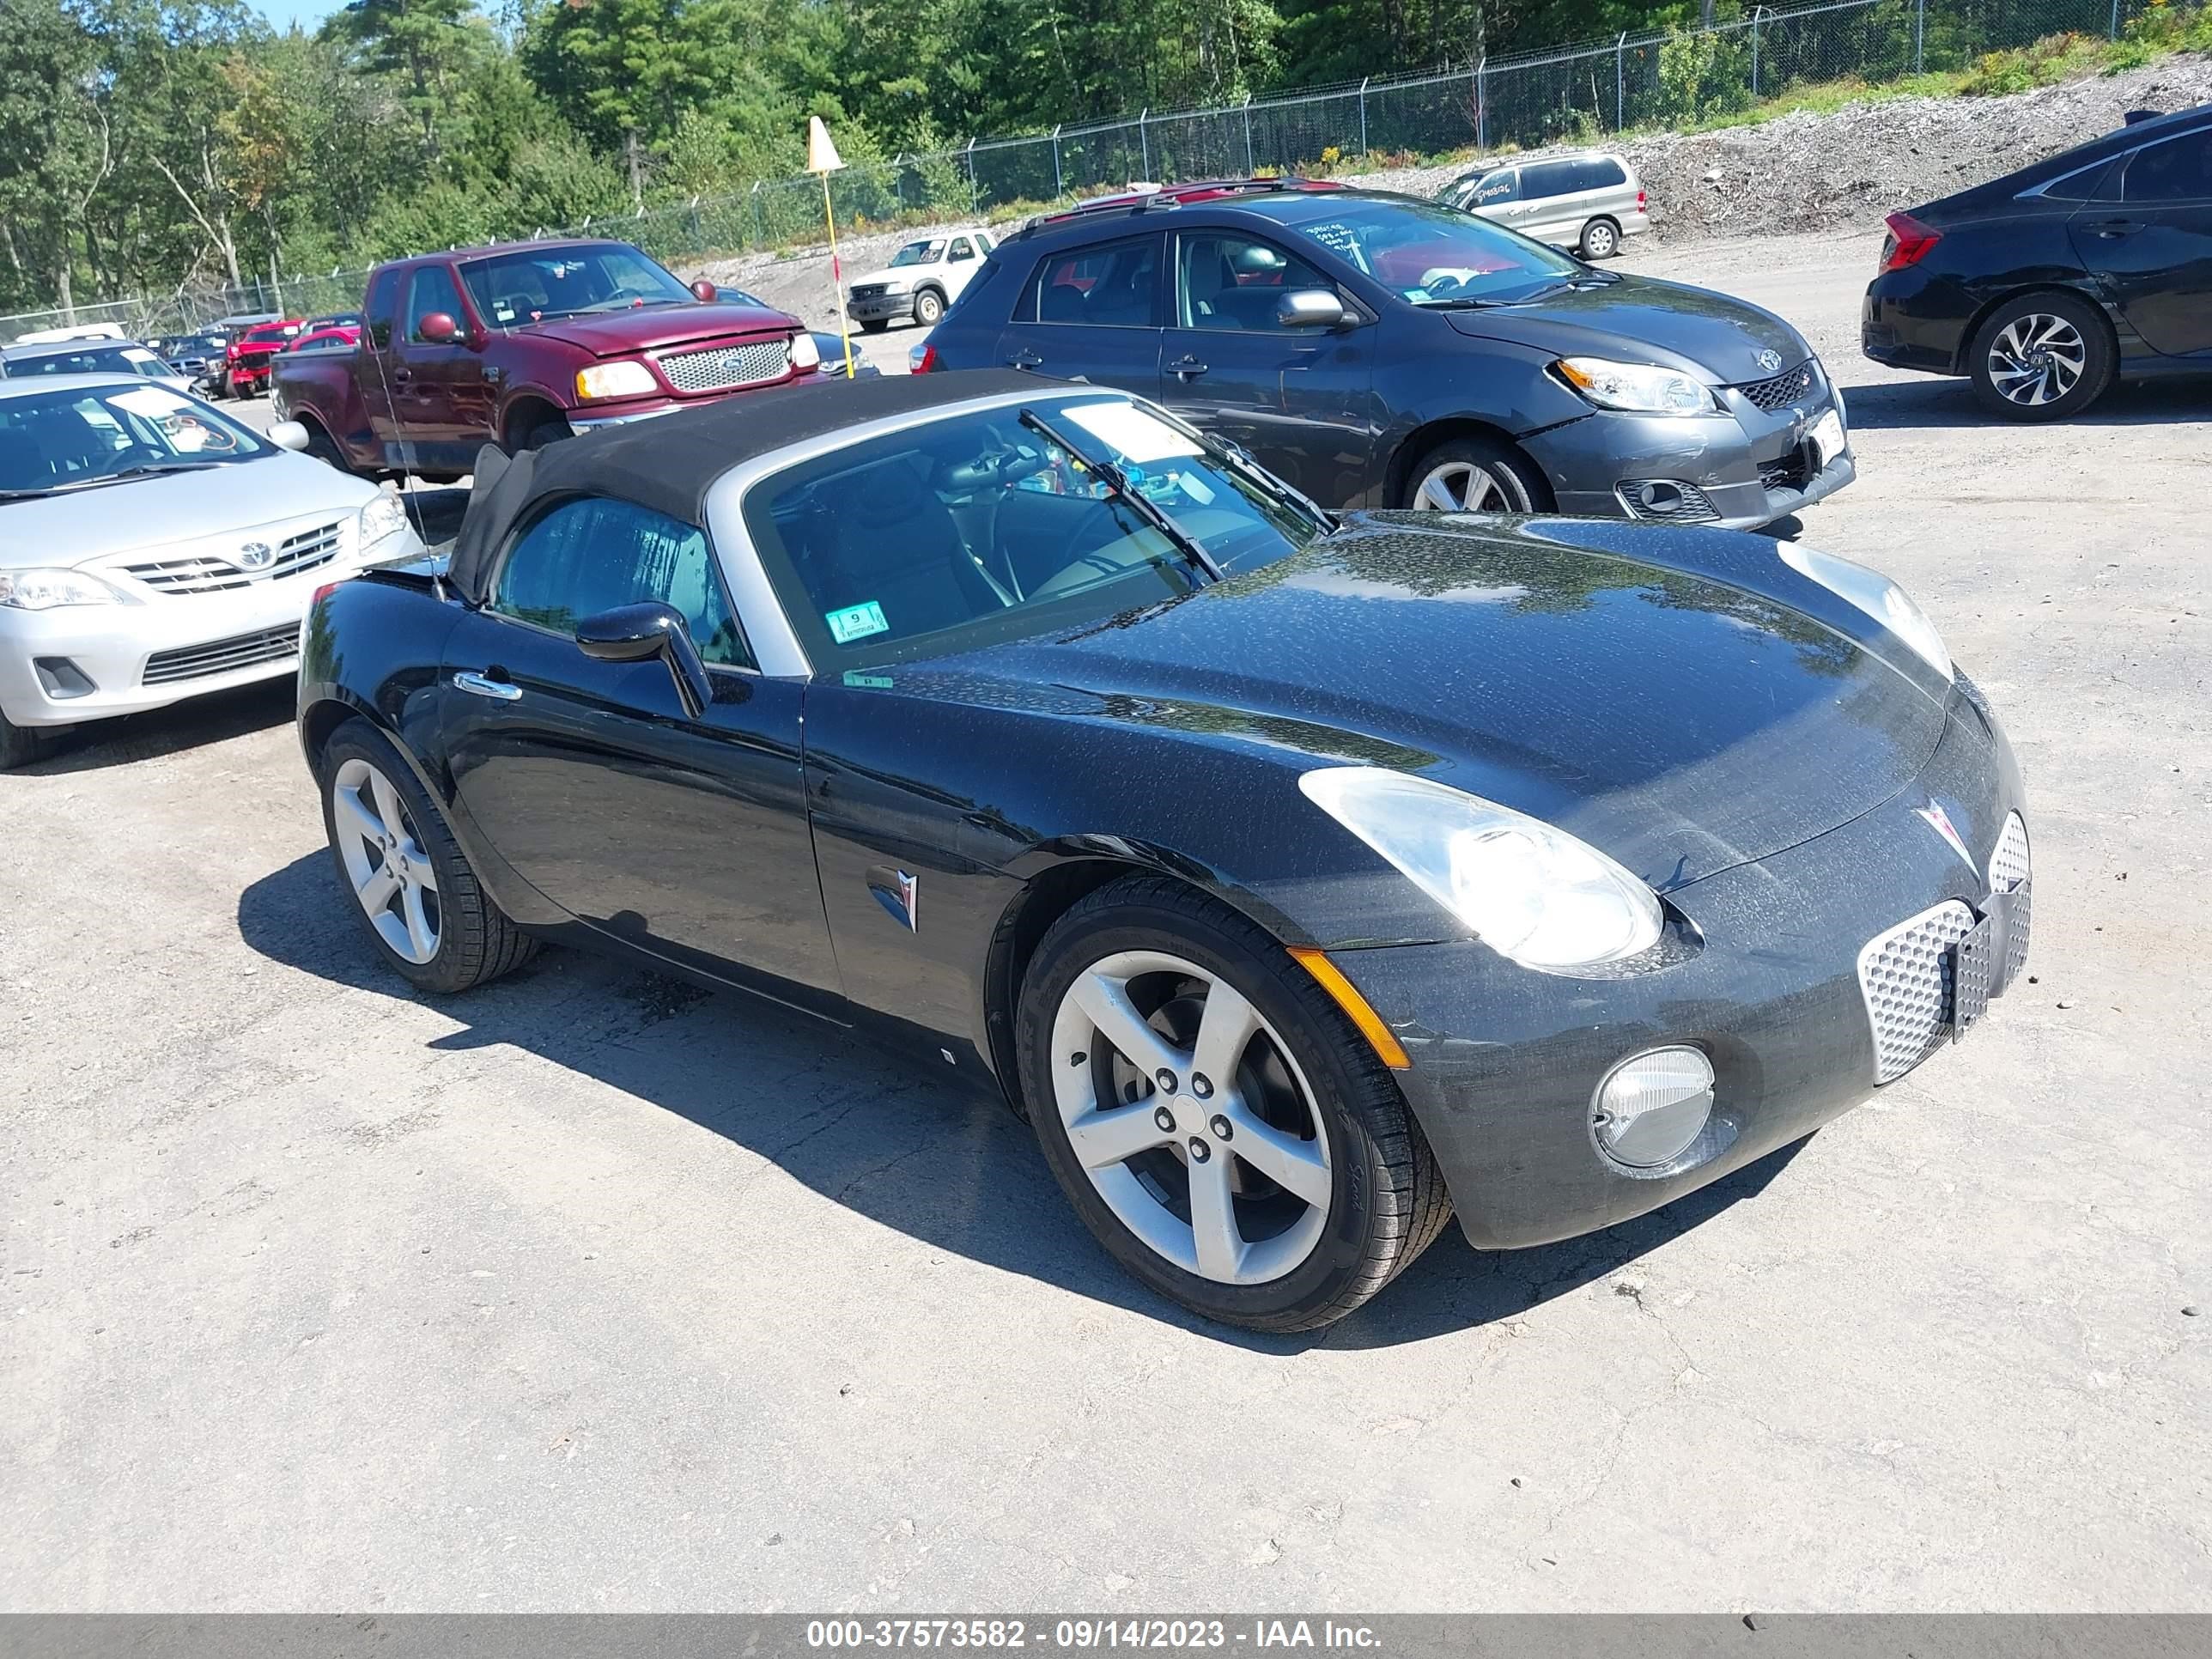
<point>1214,1118</point>
<point>393,880</point>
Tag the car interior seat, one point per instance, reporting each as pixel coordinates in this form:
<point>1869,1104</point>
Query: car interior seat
<point>879,533</point>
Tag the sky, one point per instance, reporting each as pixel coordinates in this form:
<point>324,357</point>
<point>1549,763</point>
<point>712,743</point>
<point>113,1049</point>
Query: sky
<point>306,13</point>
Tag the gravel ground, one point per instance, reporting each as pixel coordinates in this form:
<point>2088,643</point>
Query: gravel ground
<point>586,1292</point>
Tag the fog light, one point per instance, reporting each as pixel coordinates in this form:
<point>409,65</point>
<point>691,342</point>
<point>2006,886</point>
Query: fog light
<point>1650,1108</point>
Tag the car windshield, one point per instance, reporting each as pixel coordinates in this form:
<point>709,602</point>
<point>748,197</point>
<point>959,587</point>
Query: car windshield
<point>918,253</point>
<point>977,529</point>
<point>275,334</point>
<point>1433,254</point>
<point>513,290</point>
<point>74,438</point>
<point>88,359</point>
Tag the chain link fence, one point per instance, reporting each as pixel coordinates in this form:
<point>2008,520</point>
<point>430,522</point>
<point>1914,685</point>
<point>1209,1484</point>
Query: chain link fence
<point>1578,93</point>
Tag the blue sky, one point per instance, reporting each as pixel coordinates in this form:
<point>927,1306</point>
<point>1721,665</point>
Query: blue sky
<point>306,13</point>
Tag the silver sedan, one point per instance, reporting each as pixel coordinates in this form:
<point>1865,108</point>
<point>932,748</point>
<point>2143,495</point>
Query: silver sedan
<point>153,549</point>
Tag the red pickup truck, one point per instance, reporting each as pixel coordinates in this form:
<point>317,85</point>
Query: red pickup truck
<point>520,345</point>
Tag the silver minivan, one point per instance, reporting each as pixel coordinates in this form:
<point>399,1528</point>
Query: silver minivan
<point>1585,202</point>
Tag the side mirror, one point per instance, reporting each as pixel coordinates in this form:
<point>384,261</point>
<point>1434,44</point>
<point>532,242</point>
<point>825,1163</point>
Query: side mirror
<point>288,434</point>
<point>704,291</point>
<point>640,632</point>
<point>1309,308</point>
<point>438,327</point>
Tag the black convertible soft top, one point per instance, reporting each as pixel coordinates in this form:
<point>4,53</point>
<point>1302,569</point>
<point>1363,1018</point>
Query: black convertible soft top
<point>670,463</point>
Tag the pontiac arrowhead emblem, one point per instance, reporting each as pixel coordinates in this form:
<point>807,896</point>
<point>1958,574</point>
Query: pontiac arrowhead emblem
<point>1937,819</point>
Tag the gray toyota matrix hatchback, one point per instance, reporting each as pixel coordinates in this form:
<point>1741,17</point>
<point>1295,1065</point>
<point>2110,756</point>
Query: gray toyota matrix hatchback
<point>1379,351</point>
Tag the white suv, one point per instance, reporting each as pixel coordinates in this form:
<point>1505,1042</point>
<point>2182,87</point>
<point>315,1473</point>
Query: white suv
<point>1585,202</point>
<point>922,278</point>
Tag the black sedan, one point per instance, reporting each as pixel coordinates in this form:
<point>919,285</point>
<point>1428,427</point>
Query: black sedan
<point>1301,877</point>
<point>1378,351</point>
<point>2046,286</point>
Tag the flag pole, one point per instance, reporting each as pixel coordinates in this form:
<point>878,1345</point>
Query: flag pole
<point>822,158</point>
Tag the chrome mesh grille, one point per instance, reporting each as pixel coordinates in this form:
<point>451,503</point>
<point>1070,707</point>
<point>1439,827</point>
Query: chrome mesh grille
<point>1904,976</point>
<point>207,574</point>
<point>715,368</point>
<point>1782,390</point>
<point>193,662</point>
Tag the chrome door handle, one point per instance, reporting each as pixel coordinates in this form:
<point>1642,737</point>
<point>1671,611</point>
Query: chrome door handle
<point>1188,368</point>
<point>1024,359</point>
<point>500,690</point>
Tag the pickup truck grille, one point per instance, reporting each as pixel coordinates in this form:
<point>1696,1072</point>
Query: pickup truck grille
<point>716,368</point>
<point>206,574</point>
<point>871,290</point>
<point>194,662</point>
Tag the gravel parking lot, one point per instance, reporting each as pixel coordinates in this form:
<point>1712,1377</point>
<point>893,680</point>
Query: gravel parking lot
<point>589,1292</point>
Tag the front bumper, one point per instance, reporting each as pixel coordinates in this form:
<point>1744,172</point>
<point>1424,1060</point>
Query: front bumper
<point>78,663</point>
<point>881,308</point>
<point>1506,1061</point>
<point>1738,470</point>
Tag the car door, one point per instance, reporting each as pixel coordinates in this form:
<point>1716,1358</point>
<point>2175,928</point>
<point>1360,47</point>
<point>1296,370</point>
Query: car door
<point>2153,247</point>
<point>960,263</point>
<point>1496,195</point>
<point>1296,397</point>
<point>428,380</point>
<point>1547,210</point>
<point>683,837</point>
<point>1094,311</point>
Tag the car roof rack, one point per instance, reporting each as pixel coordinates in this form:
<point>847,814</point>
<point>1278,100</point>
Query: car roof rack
<point>1145,198</point>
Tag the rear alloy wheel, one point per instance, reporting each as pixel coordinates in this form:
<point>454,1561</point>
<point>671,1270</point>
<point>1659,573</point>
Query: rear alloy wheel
<point>1474,475</point>
<point>411,884</point>
<point>1215,1120</point>
<point>1601,239</point>
<point>2041,358</point>
<point>929,307</point>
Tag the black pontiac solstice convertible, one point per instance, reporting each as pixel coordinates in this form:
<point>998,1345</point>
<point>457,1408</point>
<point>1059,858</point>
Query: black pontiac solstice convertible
<point>1302,878</point>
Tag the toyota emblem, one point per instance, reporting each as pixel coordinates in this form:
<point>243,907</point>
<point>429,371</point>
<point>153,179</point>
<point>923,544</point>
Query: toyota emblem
<point>1769,360</point>
<point>256,556</point>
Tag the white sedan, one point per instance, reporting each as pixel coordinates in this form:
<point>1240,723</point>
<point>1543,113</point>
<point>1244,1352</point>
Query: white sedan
<point>152,548</point>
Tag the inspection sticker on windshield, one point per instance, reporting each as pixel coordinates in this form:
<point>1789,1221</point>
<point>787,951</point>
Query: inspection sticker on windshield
<point>1131,433</point>
<point>856,622</point>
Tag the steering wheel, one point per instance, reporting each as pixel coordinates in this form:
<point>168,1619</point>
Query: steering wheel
<point>1443,282</point>
<point>993,471</point>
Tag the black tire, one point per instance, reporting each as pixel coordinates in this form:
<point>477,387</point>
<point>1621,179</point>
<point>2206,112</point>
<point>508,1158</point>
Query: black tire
<point>325,448</point>
<point>2078,323</point>
<point>476,941</point>
<point>1601,239</point>
<point>875,325</point>
<point>1388,1201</point>
<point>1521,484</point>
<point>19,745</point>
<point>929,307</point>
<point>548,430</point>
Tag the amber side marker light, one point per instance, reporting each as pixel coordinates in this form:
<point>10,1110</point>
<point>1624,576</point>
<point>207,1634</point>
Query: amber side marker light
<point>1331,979</point>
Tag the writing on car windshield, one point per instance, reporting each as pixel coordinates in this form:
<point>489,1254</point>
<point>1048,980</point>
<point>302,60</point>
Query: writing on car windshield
<point>976,528</point>
<point>515,289</point>
<point>69,439</point>
<point>919,253</point>
<point>1433,254</point>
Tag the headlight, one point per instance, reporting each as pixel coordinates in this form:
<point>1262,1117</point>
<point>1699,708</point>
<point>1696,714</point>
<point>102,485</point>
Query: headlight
<point>1529,891</point>
<point>897,285</point>
<point>1874,593</point>
<point>383,515</point>
<point>43,590</point>
<point>1641,388</point>
<point>805,354</point>
<point>624,380</point>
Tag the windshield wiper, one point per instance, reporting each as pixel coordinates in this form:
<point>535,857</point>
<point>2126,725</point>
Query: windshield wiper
<point>1240,461</point>
<point>145,469</point>
<point>1117,483</point>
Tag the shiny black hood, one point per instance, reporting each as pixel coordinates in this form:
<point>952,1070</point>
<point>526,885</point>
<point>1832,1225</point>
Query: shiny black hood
<point>1640,319</point>
<point>1660,693</point>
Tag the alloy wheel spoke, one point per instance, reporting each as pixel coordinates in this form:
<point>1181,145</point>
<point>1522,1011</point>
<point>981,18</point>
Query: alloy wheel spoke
<point>1219,1245</point>
<point>419,931</point>
<point>420,870</point>
<point>1106,1002</point>
<point>376,889</point>
<point>1102,1138</point>
<point>387,805</point>
<point>355,818</point>
<point>1294,1166</point>
<point>1225,1027</point>
<point>1436,493</point>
